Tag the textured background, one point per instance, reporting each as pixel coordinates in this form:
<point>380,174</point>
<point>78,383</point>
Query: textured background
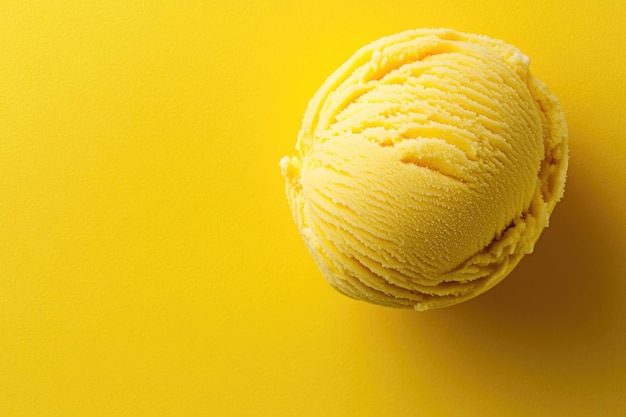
<point>149,265</point>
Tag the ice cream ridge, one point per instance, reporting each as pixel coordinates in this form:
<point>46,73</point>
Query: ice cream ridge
<point>427,166</point>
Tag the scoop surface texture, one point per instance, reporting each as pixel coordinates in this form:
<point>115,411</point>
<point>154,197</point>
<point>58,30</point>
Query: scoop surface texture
<point>427,166</point>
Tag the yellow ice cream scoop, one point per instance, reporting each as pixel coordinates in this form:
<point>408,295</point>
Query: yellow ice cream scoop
<point>427,166</point>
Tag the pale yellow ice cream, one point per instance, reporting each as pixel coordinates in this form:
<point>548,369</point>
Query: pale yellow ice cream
<point>428,165</point>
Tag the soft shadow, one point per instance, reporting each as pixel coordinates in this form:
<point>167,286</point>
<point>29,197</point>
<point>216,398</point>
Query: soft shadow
<point>569,289</point>
<point>557,321</point>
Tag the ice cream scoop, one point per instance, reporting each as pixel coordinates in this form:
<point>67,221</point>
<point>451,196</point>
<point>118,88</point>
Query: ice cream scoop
<point>427,166</point>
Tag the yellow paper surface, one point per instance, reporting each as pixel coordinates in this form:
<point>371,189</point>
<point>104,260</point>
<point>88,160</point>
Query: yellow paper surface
<point>149,265</point>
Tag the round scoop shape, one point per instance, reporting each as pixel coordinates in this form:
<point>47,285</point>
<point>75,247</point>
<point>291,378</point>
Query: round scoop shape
<point>427,166</point>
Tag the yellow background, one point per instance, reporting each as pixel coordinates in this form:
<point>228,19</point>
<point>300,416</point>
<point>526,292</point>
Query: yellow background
<point>149,265</point>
